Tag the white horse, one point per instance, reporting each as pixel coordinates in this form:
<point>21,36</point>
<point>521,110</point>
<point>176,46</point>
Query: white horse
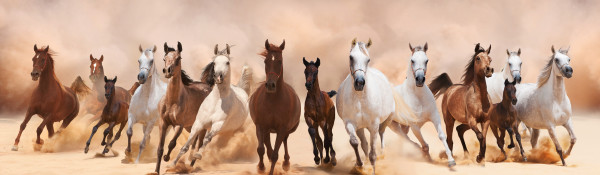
<point>364,101</point>
<point>419,100</point>
<point>510,72</point>
<point>144,102</point>
<point>225,109</point>
<point>546,105</point>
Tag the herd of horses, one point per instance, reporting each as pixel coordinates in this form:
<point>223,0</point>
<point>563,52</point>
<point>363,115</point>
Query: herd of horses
<point>365,100</point>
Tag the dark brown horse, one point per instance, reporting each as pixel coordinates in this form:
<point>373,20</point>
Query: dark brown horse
<point>467,103</point>
<point>114,112</point>
<point>274,108</point>
<point>503,117</point>
<point>179,106</point>
<point>319,111</point>
<point>50,100</point>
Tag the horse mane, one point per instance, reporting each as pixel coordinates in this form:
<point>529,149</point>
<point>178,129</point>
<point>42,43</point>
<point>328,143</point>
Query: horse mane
<point>186,79</point>
<point>208,74</point>
<point>546,71</point>
<point>272,48</point>
<point>469,76</point>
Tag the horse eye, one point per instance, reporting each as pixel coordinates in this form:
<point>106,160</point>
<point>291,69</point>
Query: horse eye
<point>351,58</point>
<point>478,58</point>
<point>228,63</point>
<point>412,61</point>
<point>427,61</point>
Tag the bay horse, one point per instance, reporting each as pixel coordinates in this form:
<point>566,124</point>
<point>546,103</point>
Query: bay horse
<point>179,106</point>
<point>50,100</point>
<point>144,102</point>
<point>114,112</point>
<point>364,101</point>
<point>503,117</point>
<point>274,108</point>
<point>421,102</point>
<point>545,104</point>
<point>225,109</point>
<point>319,111</point>
<point>468,102</point>
<point>95,102</point>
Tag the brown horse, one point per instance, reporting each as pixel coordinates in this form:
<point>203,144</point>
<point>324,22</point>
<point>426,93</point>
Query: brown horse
<point>274,108</point>
<point>318,111</point>
<point>50,100</point>
<point>503,117</point>
<point>94,103</point>
<point>467,103</point>
<point>114,112</point>
<point>179,106</point>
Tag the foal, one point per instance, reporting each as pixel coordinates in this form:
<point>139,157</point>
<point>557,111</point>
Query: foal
<point>318,111</point>
<point>114,112</point>
<point>503,117</point>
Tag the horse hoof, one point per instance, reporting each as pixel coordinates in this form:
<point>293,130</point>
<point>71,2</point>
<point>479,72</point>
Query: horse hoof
<point>197,156</point>
<point>524,159</point>
<point>14,148</point>
<point>261,168</point>
<point>479,159</point>
<point>326,160</point>
<point>86,150</point>
<point>105,151</point>
<point>317,160</point>
<point>286,165</point>
<point>166,158</point>
<point>451,163</point>
<point>333,161</point>
<point>511,146</point>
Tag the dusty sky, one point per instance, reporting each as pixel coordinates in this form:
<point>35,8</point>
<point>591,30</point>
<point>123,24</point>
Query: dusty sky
<point>76,29</point>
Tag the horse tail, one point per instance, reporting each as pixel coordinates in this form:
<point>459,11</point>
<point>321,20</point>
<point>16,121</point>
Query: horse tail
<point>79,87</point>
<point>440,84</point>
<point>133,88</point>
<point>331,93</point>
<point>246,79</point>
<point>208,74</point>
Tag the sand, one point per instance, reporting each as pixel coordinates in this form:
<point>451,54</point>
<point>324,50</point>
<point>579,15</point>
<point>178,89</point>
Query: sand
<point>63,154</point>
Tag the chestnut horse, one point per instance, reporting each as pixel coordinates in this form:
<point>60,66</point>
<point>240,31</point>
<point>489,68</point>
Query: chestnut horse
<point>94,103</point>
<point>51,101</point>
<point>319,111</point>
<point>114,112</point>
<point>274,108</point>
<point>467,103</point>
<point>503,117</point>
<point>179,106</point>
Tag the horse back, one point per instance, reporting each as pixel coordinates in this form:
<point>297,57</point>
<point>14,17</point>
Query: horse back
<point>456,96</point>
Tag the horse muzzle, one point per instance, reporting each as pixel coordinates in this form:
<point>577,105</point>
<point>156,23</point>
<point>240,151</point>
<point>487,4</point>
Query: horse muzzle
<point>517,78</point>
<point>419,81</point>
<point>35,75</point>
<point>168,72</point>
<point>308,86</point>
<point>514,101</point>
<point>107,96</point>
<point>489,71</point>
<point>142,78</point>
<point>359,84</point>
<point>271,87</point>
<point>568,71</point>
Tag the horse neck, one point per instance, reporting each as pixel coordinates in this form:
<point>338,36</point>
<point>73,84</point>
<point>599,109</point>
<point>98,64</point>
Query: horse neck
<point>315,91</point>
<point>48,77</point>
<point>175,86</point>
<point>152,81</point>
<point>506,102</point>
<point>110,99</point>
<point>410,79</point>
<point>506,71</point>
<point>481,85</point>
<point>224,88</point>
<point>556,85</point>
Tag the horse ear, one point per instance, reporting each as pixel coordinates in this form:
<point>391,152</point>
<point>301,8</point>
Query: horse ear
<point>47,48</point>
<point>514,82</point>
<point>353,42</point>
<point>411,48</point>
<point>216,49</point>
<point>153,49</point>
<point>519,52</point>
<point>115,80</point>
<point>141,50</point>
<point>179,48</point>
<point>477,48</point>
<point>105,79</point>
<point>318,63</point>
<point>267,44</point>
<point>553,51</point>
<point>304,61</point>
<point>91,57</point>
<point>568,48</point>
<point>282,46</point>
<point>166,48</point>
<point>101,58</point>
<point>489,49</point>
<point>369,43</point>
<point>507,52</point>
<point>506,82</point>
<point>227,46</point>
<point>425,47</point>
<point>35,47</point>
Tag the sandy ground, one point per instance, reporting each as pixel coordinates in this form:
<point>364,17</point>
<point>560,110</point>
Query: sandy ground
<point>63,154</point>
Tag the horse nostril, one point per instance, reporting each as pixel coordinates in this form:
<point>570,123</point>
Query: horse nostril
<point>164,70</point>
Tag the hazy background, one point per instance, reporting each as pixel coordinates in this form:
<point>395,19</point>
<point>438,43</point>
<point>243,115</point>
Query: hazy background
<point>76,29</point>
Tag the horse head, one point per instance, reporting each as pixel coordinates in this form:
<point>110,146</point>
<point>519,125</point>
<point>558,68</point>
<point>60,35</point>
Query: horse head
<point>418,63</point>
<point>359,61</point>
<point>146,64</point>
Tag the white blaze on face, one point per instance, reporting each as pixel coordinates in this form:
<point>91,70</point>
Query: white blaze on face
<point>94,68</point>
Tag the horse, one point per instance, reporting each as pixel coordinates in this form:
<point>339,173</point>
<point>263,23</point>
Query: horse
<point>419,99</point>
<point>179,106</point>
<point>50,100</point>
<point>94,103</point>
<point>319,111</point>
<point>545,104</point>
<point>225,109</point>
<point>274,108</point>
<point>467,103</point>
<point>503,117</point>
<point>114,112</point>
<point>144,102</point>
<point>511,71</point>
<point>364,101</point>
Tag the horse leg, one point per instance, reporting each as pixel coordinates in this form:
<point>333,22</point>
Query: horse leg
<point>286,157</point>
<point>191,138</point>
<point>373,154</point>
<point>23,125</point>
<point>50,128</point>
<point>87,144</point>
<point>159,152</point>
<point>569,128</point>
<point>351,129</point>
<point>483,142</point>
<point>435,119</point>
<point>424,146</point>
<point>535,133</point>
<point>326,143</point>
<point>364,144</point>
<point>510,133</point>
<point>67,121</point>
<point>319,142</point>
<point>381,131</point>
<point>147,129</point>
<point>260,150</point>
<point>278,140</point>
<point>117,136</point>
<point>108,133</point>
<point>110,136</point>
<point>195,148</point>
<point>330,136</point>
<point>215,129</point>
<point>312,131</point>
<point>267,142</point>
<point>556,144</point>
<point>473,125</point>
<point>449,122</point>
<point>518,137</point>
<point>173,142</point>
<point>130,122</point>
<point>399,129</point>
<point>460,130</point>
<point>41,128</point>
<point>500,142</point>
